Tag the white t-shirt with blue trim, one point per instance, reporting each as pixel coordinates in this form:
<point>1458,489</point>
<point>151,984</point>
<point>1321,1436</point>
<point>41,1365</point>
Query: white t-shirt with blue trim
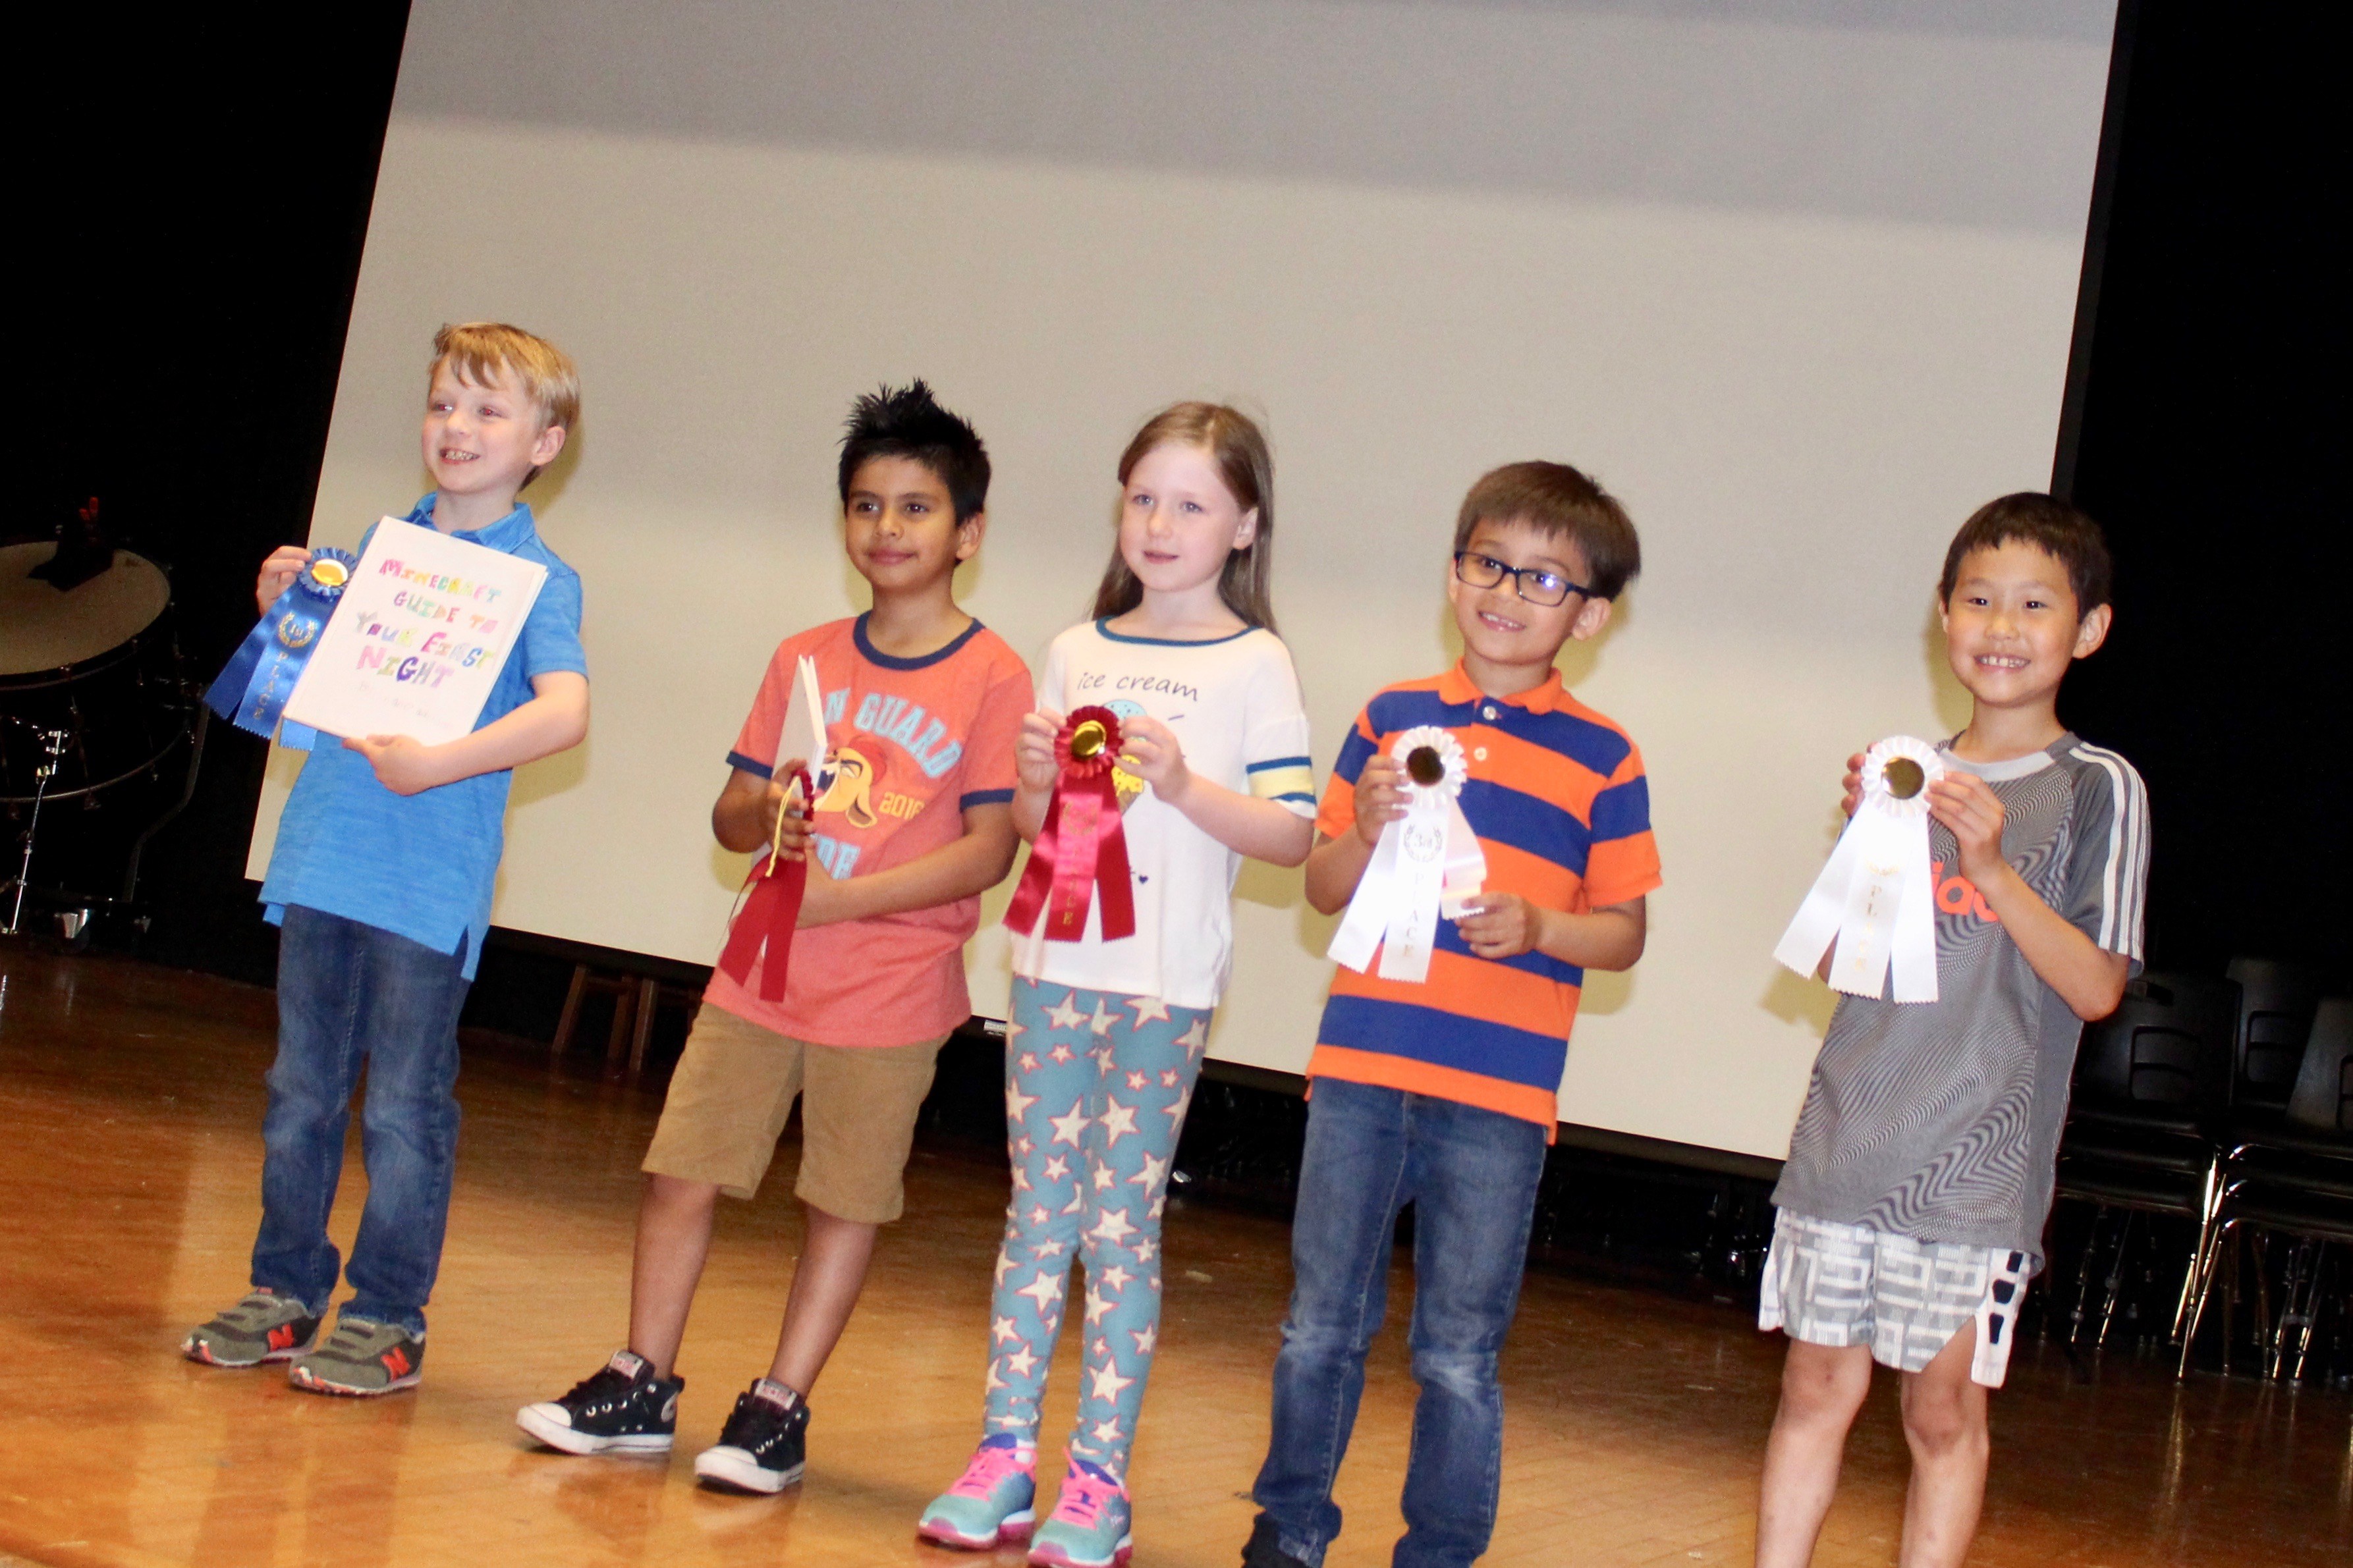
<point>1233,704</point>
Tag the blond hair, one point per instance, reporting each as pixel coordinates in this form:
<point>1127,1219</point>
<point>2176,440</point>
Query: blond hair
<point>480,351</point>
<point>1239,449</point>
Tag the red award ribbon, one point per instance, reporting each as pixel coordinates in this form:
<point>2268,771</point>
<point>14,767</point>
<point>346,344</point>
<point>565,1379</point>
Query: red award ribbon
<point>1080,850</point>
<point>772,911</point>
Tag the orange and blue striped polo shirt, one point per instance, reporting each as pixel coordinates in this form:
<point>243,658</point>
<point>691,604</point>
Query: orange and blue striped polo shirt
<point>1556,794</point>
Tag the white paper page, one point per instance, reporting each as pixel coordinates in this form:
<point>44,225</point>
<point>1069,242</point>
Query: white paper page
<point>804,732</point>
<point>419,637</point>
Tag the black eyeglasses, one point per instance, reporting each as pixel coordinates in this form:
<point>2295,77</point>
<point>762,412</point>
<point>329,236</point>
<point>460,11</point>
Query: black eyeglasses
<point>1546,588</point>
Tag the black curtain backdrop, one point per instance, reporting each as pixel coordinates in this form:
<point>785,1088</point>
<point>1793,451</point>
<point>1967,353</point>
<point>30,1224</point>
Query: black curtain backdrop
<point>200,200</point>
<point>2205,397</point>
<point>198,203</point>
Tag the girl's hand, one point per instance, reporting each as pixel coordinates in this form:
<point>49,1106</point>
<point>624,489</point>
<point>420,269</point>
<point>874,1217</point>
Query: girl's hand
<point>1500,925</point>
<point>1380,796</point>
<point>1150,750</point>
<point>1033,750</point>
<point>1853,784</point>
<point>285,563</point>
<point>403,764</point>
<point>1967,805</point>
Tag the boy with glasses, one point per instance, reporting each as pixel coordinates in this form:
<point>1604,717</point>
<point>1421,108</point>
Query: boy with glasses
<point>1444,1092</point>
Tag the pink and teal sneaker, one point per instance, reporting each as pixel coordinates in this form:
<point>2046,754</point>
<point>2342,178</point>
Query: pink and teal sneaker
<point>993,1502</point>
<point>1089,1526</point>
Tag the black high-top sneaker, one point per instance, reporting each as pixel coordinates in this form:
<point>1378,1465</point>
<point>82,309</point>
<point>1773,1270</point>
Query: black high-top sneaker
<point>623,1409</point>
<point>764,1447</point>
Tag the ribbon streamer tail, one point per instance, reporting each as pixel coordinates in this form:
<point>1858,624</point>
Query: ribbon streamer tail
<point>1466,864</point>
<point>763,932</point>
<point>1867,930</point>
<point>1113,881</point>
<point>1360,928</point>
<point>227,694</point>
<point>1038,876</point>
<point>1414,897</point>
<point>1816,923</point>
<point>1074,866</point>
<point>1914,950</point>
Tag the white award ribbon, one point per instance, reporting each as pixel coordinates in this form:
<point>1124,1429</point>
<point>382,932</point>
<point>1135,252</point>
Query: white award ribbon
<point>1876,897</point>
<point>1427,863</point>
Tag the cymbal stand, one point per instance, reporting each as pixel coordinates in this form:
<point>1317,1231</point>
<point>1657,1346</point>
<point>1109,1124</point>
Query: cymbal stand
<point>53,746</point>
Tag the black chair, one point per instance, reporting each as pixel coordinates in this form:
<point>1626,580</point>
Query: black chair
<point>2152,1090</point>
<point>2295,1180</point>
<point>2275,1007</point>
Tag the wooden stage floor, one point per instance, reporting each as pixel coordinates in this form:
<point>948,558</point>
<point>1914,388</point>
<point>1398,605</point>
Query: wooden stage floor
<point>129,1106</point>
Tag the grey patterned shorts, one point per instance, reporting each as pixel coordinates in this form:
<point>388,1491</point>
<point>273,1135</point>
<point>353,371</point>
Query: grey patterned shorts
<point>1839,1285</point>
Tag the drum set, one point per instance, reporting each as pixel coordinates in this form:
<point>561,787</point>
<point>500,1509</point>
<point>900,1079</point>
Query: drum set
<point>95,710</point>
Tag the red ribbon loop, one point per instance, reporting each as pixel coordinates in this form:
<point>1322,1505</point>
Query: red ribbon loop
<point>769,916</point>
<point>1080,850</point>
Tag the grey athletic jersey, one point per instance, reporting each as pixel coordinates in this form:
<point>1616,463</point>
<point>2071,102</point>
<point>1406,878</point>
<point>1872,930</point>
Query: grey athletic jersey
<point>1940,1120</point>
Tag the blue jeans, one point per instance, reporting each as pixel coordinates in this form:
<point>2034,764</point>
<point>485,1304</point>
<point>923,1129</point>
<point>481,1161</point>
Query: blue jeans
<point>349,994</point>
<point>1472,1177</point>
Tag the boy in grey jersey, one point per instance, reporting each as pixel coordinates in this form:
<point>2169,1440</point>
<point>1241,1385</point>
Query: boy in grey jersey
<point>1919,1175</point>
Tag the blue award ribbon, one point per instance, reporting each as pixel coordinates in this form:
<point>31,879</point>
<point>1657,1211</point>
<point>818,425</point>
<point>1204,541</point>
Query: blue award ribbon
<point>252,690</point>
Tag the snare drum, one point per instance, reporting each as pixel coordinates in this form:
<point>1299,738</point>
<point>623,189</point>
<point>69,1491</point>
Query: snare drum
<point>99,662</point>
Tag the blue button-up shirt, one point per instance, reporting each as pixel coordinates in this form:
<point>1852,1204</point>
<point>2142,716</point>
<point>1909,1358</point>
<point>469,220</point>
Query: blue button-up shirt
<point>423,865</point>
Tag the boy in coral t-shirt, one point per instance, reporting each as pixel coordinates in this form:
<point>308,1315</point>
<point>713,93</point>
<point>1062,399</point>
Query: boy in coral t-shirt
<point>921,704</point>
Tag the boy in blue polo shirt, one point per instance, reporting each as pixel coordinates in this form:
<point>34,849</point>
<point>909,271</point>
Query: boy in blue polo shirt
<point>381,885</point>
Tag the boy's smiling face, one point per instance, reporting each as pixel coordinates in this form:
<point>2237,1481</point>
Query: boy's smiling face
<point>480,439</point>
<point>900,526</point>
<point>1504,633</point>
<point>2011,628</point>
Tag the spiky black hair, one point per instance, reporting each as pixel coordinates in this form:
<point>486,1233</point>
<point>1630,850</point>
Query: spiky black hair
<point>907,422</point>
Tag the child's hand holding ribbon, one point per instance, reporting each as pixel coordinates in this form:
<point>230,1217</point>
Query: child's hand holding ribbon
<point>1381,797</point>
<point>1872,908</point>
<point>1426,859</point>
<point>298,590</point>
<point>284,564</point>
<point>763,927</point>
<point>1079,852</point>
<point>1034,761</point>
<point>785,825</point>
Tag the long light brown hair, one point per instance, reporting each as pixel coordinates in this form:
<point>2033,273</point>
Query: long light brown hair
<point>1239,449</point>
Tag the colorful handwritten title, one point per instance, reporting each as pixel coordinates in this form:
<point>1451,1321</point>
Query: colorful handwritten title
<point>429,627</point>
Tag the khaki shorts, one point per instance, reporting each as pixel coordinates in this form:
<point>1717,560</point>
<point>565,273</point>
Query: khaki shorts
<point>734,1089</point>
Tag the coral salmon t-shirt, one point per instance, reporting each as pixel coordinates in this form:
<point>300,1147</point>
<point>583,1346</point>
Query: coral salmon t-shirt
<point>914,741</point>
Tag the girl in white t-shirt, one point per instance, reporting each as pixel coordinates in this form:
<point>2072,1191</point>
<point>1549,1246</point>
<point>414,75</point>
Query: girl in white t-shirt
<point>1107,1037</point>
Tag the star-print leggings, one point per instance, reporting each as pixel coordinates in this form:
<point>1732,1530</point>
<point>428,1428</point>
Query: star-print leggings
<point>1096,1085</point>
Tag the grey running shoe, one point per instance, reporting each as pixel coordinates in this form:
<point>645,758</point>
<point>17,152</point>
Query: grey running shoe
<point>263,1327</point>
<point>361,1357</point>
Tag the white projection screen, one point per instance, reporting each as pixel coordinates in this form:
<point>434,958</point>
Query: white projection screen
<point>1795,279</point>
